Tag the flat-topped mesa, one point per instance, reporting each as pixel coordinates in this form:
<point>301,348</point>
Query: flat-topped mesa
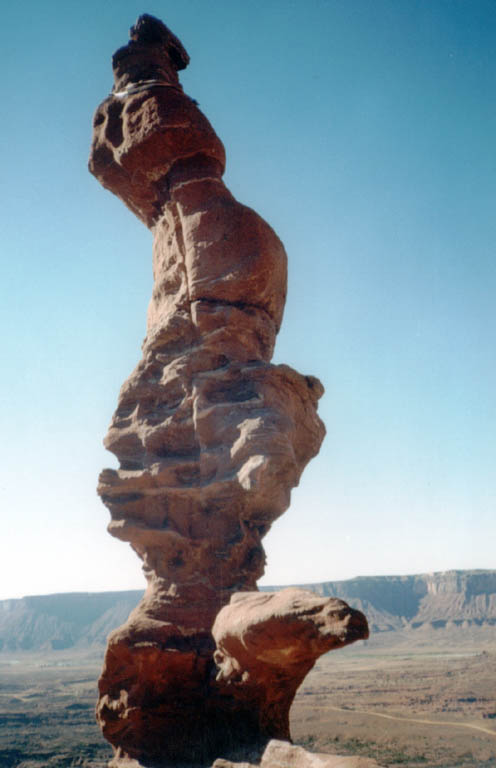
<point>210,436</point>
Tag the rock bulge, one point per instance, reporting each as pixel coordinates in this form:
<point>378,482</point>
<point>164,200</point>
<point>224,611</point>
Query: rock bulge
<point>210,436</point>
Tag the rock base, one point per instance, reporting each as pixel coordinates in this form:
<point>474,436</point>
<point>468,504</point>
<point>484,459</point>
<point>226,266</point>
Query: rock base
<point>277,754</point>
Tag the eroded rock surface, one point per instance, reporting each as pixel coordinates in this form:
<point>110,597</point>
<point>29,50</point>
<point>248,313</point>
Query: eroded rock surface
<point>210,436</point>
<point>268,642</point>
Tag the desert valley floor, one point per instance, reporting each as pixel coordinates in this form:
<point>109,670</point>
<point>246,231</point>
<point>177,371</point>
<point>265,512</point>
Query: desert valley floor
<point>414,698</point>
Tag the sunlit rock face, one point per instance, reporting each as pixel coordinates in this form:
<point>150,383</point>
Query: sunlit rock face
<point>210,436</point>
<point>280,754</point>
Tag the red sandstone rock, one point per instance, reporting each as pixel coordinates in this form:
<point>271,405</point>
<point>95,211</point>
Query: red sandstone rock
<point>268,642</point>
<point>209,435</point>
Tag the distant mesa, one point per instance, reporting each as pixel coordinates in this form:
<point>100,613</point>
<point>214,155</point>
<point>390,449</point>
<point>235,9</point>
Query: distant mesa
<point>82,621</point>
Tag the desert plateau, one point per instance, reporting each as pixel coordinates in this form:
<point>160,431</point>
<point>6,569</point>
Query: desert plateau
<point>417,693</point>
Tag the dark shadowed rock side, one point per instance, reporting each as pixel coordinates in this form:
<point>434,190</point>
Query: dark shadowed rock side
<point>210,436</point>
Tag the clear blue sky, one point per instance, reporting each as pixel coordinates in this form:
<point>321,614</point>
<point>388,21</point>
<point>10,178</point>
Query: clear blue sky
<point>364,132</point>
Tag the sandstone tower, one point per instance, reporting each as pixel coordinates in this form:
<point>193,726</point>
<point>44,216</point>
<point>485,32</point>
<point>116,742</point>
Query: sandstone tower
<point>210,437</point>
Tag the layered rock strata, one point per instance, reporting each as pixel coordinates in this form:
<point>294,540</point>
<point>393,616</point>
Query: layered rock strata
<point>210,436</point>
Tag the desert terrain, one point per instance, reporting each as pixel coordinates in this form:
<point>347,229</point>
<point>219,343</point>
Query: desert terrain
<point>47,703</point>
<point>418,697</point>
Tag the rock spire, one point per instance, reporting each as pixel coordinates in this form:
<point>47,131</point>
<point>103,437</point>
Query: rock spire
<point>210,436</point>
